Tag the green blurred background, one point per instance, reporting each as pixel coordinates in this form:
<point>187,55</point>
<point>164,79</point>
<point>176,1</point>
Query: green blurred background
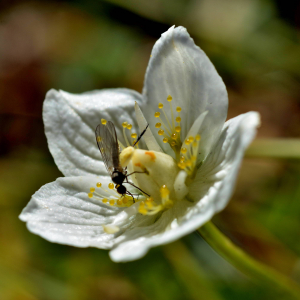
<point>83,45</point>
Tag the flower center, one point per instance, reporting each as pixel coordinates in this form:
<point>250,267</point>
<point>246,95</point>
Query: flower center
<point>169,129</point>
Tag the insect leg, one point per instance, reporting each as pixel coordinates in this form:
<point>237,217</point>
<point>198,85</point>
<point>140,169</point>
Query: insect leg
<point>137,187</point>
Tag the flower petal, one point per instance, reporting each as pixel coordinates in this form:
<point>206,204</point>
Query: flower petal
<point>179,68</point>
<point>216,178</point>
<point>212,196</point>
<point>70,123</point>
<point>62,212</point>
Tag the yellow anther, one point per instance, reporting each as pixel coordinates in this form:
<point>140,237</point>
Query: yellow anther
<point>160,105</point>
<point>198,137</point>
<point>92,190</point>
<point>187,142</point>
<point>178,119</point>
<point>160,132</point>
<point>191,138</point>
<point>111,186</point>
<point>143,210</point>
<point>177,128</point>
<point>125,200</point>
<point>149,199</point>
<point>98,184</point>
<point>124,124</point>
<point>174,136</point>
<point>99,139</point>
<point>183,150</point>
<point>134,135</point>
<point>157,114</point>
<point>157,125</point>
<point>188,163</point>
<point>164,192</point>
<point>104,200</point>
<point>169,98</point>
<point>182,158</point>
<point>119,202</point>
<point>173,144</point>
<point>165,140</point>
<point>178,109</point>
<point>90,195</point>
<point>181,165</point>
<point>103,121</point>
<point>129,126</point>
<point>111,202</point>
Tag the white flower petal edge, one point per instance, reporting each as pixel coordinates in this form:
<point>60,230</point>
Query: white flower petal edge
<point>70,122</point>
<point>216,179</point>
<point>179,68</point>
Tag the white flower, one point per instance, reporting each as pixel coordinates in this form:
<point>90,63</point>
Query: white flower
<point>189,154</point>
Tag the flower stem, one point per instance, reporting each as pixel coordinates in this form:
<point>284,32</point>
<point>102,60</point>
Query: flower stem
<point>275,148</point>
<point>258,272</point>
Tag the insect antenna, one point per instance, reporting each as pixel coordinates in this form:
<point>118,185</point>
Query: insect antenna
<point>140,136</point>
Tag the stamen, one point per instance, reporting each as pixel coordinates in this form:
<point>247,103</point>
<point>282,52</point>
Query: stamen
<point>160,132</point>
<point>125,124</point>
<point>111,186</point>
<point>99,184</point>
<point>165,140</point>
<point>157,125</point>
<point>103,121</point>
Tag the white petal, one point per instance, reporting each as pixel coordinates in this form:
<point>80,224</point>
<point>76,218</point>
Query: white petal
<point>186,216</point>
<point>179,68</point>
<point>62,212</point>
<point>70,123</point>
<point>216,178</point>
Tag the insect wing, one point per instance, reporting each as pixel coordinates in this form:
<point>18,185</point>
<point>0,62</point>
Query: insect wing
<point>108,145</point>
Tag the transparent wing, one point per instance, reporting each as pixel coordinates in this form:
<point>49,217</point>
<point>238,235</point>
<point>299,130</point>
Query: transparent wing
<point>108,145</point>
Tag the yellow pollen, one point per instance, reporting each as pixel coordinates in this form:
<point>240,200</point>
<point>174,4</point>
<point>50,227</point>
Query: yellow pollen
<point>178,109</point>
<point>157,125</point>
<point>119,202</point>
<point>124,124</point>
<point>134,135</point>
<point>103,121</point>
<point>177,128</point>
<point>187,142</point>
<point>165,140</point>
<point>99,139</point>
<point>178,119</point>
<point>160,132</point>
<point>183,150</point>
<point>111,186</point>
<point>111,202</point>
<point>90,195</point>
<point>92,190</point>
<point>157,114</point>
<point>98,184</point>
<point>198,137</point>
<point>104,200</point>
<point>169,98</point>
<point>174,136</point>
<point>173,144</point>
<point>129,126</point>
<point>160,105</point>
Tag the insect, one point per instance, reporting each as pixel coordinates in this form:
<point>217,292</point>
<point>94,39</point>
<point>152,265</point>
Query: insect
<point>108,145</point>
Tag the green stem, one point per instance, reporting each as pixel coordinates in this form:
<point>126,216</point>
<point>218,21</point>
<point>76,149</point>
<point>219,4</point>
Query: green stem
<point>255,270</point>
<point>275,148</point>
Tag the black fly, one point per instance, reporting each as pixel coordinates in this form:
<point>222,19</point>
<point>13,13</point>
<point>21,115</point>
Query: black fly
<point>108,145</point>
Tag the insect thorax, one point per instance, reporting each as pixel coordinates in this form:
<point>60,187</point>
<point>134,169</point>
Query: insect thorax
<point>118,177</point>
